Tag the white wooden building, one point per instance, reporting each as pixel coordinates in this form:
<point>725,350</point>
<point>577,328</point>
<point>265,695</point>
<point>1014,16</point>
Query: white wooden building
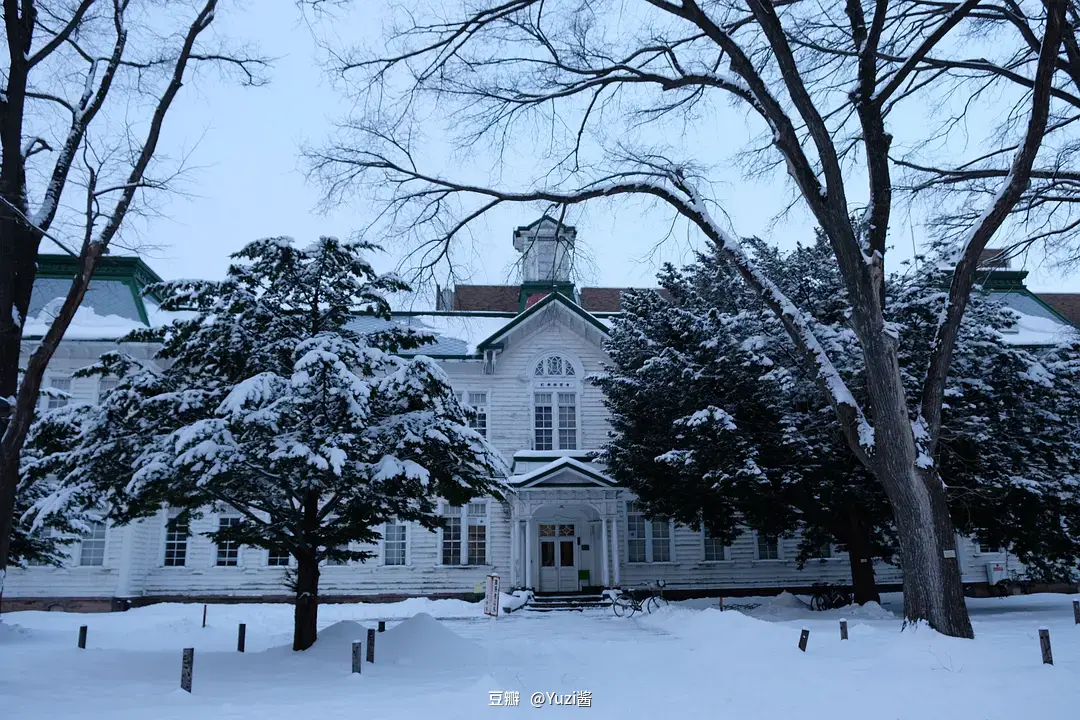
<point>520,355</point>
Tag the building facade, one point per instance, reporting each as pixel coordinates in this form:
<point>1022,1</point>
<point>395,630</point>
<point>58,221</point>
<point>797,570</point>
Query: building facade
<point>521,356</point>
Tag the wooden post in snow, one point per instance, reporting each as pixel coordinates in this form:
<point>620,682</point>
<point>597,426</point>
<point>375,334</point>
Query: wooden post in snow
<point>187,669</point>
<point>382,626</point>
<point>843,629</point>
<point>82,637</point>
<point>1044,643</point>
<point>357,656</point>
<point>241,635</point>
<point>1076,611</point>
<point>803,637</point>
<point>204,615</point>
<point>371,646</point>
<point>721,603</point>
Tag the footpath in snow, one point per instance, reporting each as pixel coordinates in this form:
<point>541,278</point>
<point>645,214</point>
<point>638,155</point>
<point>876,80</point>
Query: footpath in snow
<point>444,659</point>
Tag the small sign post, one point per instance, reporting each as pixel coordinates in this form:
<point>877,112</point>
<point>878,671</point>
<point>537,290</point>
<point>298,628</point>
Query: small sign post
<point>357,656</point>
<point>204,615</point>
<point>241,636</point>
<point>843,629</point>
<point>803,637</point>
<point>1044,645</point>
<point>186,669</point>
<point>491,596</point>
<point>1076,611</point>
<point>82,637</point>
<point>371,646</point>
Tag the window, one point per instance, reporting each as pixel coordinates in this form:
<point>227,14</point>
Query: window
<point>554,366</point>
<point>542,421</point>
<point>567,421</point>
<point>768,547</point>
<point>106,385</point>
<point>338,561</point>
<point>987,549</point>
<point>278,558</point>
<point>451,536</point>
<point>477,554</point>
<point>647,540</point>
<point>228,552</point>
<point>92,552</point>
<point>544,416</point>
<point>63,385</point>
<point>824,551</point>
<point>472,517</point>
<point>394,543</point>
<point>44,533</point>
<point>176,538</point>
<point>715,551</point>
<point>478,402</point>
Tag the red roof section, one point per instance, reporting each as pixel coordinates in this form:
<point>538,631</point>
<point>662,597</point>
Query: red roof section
<point>496,298</point>
<point>1068,304</point>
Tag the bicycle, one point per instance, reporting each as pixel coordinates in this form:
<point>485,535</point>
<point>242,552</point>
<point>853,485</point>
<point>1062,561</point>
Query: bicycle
<point>829,597</point>
<point>647,598</point>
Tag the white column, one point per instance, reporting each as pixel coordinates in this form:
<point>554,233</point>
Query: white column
<point>615,548</point>
<point>528,554</point>
<point>605,578</point>
<point>515,551</point>
<point>127,538</point>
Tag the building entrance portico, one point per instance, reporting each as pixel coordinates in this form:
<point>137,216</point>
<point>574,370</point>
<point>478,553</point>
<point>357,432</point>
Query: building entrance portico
<point>564,537</point>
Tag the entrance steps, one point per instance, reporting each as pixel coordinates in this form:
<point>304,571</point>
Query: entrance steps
<point>566,602</point>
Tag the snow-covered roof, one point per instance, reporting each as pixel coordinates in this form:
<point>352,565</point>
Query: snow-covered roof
<point>456,333</point>
<point>589,471</point>
<point>1037,324</point>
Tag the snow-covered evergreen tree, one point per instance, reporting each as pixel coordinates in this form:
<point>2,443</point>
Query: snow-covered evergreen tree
<point>272,405</point>
<point>714,424</point>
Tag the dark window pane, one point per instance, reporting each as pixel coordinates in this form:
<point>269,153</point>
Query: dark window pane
<point>566,553</point>
<point>547,554</point>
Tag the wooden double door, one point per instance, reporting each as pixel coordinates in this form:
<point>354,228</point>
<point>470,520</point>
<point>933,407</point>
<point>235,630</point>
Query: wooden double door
<point>559,557</point>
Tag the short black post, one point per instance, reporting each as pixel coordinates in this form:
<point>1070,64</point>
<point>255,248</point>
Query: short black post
<point>843,629</point>
<point>82,637</point>
<point>1044,643</point>
<point>803,638</point>
<point>1076,611</point>
<point>382,626</point>
<point>204,615</point>
<point>371,646</point>
<point>357,656</point>
<point>241,635</point>
<point>187,668</point>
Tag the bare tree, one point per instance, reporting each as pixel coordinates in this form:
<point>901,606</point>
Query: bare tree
<point>106,73</point>
<point>822,82</point>
<point>1003,45</point>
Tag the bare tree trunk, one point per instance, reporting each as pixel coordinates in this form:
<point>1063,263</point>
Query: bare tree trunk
<point>861,557</point>
<point>306,613</point>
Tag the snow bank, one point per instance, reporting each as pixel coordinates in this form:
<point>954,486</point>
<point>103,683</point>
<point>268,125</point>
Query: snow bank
<point>510,603</point>
<point>424,641</point>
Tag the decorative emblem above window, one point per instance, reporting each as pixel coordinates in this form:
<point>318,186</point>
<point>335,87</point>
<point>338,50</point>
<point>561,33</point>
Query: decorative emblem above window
<point>554,366</point>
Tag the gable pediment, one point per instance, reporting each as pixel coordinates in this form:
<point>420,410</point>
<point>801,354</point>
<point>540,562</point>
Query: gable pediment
<point>563,472</point>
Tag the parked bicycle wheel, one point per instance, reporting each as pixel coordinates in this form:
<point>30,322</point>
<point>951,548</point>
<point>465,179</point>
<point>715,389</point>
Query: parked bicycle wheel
<point>655,603</point>
<point>623,606</point>
<point>818,603</point>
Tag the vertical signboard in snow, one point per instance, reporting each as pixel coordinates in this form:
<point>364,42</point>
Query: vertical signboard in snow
<point>491,597</point>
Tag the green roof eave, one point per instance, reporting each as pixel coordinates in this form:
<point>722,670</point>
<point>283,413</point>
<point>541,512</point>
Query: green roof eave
<point>489,343</point>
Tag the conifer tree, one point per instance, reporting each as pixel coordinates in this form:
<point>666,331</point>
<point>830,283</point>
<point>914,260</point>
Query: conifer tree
<point>714,423</point>
<point>266,400</point>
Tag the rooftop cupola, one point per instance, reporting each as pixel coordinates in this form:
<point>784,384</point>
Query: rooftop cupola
<point>547,251</point>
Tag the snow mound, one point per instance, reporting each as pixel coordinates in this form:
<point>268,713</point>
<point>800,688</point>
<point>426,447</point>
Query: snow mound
<point>787,600</point>
<point>333,644</point>
<point>869,611</point>
<point>510,603</point>
<point>13,633</point>
<point>424,641</point>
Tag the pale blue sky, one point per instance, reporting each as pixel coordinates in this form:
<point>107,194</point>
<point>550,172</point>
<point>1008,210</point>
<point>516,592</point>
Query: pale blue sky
<point>249,182</point>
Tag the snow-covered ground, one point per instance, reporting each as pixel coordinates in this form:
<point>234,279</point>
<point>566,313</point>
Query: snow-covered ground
<point>689,661</point>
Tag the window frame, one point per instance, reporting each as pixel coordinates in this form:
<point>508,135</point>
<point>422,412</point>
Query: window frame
<point>64,402</point>
<point>104,539</point>
<point>463,517</point>
<point>649,538</point>
<point>407,555</point>
<point>486,408</point>
<point>270,553</point>
<point>757,549</point>
<point>169,516</point>
<point>218,548</point>
<point>705,549</point>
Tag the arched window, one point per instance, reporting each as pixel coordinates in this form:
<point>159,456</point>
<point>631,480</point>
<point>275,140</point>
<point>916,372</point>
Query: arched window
<point>554,366</point>
<point>555,403</point>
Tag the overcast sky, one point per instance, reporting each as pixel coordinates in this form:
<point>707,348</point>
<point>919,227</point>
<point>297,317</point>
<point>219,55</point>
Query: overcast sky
<point>249,182</point>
